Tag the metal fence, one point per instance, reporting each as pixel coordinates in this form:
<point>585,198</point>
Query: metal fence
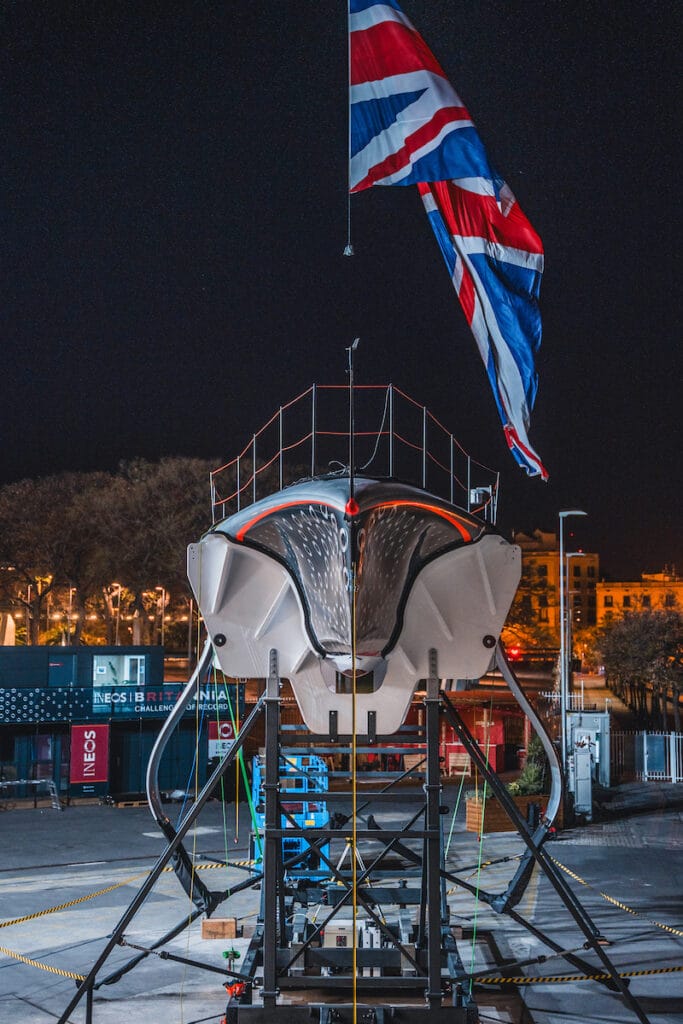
<point>575,701</point>
<point>647,756</point>
<point>394,436</point>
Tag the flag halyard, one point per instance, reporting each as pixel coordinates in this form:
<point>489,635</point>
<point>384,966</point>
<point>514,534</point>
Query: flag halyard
<point>408,126</point>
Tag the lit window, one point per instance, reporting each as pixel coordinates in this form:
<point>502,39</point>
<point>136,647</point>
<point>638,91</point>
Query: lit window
<point>608,601</point>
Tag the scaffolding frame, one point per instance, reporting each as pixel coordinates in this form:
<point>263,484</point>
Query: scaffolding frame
<point>438,973</point>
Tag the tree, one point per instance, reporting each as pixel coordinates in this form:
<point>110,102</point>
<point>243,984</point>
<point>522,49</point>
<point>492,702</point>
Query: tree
<point>643,653</point>
<point>48,540</point>
<point>78,532</point>
<point>149,515</point>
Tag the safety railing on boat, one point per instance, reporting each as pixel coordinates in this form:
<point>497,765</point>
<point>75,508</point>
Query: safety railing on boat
<point>394,437</point>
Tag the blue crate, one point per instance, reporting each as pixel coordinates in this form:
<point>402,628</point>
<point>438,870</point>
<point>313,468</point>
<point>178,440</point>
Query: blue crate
<point>301,777</point>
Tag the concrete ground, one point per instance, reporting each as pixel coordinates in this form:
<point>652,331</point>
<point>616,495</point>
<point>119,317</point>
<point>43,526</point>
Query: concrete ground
<point>626,868</point>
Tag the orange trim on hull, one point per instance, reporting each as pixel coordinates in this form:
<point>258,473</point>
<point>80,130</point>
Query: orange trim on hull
<point>450,516</point>
<point>278,508</point>
<point>404,503</point>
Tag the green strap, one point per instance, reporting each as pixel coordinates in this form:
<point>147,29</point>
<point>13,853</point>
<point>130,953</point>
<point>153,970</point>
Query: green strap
<point>243,770</point>
<point>455,811</point>
<point>218,724</point>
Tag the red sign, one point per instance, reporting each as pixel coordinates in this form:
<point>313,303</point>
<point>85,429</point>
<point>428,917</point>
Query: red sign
<point>221,738</point>
<point>89,754</point>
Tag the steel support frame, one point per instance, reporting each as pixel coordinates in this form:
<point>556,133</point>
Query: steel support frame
<point>270,934</point>
<point>269,940</point>
<point>271,930</point>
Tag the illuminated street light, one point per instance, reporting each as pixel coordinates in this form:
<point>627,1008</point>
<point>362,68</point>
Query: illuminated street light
<point>162,600</point>
<point>563,636</point>
<point>118,611</point>
<point>72,591</point>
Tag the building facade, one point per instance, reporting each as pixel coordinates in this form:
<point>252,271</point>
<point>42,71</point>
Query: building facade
<point>539,590</point>
<point>659,591</point>
<point>86,718</point>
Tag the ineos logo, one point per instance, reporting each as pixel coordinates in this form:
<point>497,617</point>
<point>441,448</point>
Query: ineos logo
<point>89,751</point>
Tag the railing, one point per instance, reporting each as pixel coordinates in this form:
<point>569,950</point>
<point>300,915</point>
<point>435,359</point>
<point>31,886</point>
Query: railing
<point>575,701</point>
<point>394,437</point>
<point>647,756</point>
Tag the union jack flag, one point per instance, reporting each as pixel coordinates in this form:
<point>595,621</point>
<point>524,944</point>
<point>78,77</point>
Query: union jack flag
<point>408,126</point>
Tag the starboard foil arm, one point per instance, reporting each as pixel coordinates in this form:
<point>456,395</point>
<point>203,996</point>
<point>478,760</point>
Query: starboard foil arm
<point>555,794</point>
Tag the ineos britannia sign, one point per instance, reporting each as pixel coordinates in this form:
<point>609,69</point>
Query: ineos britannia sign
<point>89,754</point>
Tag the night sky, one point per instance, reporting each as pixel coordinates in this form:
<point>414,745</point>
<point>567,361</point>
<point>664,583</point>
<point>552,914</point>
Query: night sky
<point>174,215</point>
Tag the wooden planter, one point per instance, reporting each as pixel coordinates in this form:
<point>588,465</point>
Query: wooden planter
<point>495,819</point>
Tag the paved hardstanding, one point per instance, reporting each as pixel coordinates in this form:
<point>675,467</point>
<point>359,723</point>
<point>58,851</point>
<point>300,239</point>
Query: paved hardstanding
<point>89,861</point>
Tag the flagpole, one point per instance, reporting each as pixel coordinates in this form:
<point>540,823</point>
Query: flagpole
<point>351,507</point>
<point>348,248</point>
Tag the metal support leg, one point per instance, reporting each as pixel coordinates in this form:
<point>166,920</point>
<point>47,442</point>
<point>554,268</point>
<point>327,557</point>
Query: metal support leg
<point>272,845</point>
<point>577,911</point>
<point>433,827</point>
<point>161,863</point>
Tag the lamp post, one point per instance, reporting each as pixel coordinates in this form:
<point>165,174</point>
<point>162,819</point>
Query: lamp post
<point>568,624</point>
<point>189,633</point>
<point>162,602</point>
<point>563,637</point>
<point>72,591</point>
<point>118,611</point>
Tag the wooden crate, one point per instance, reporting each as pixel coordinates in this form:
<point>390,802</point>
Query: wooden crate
<point>219,928</point>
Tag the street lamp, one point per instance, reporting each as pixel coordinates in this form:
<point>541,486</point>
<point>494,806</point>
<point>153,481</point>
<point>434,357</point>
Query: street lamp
<point>568,623</point>
<point>189,633</point>
<point>563,636</point>
<point>118,611</point>
<point>72,591</point>
<point>162,602</point>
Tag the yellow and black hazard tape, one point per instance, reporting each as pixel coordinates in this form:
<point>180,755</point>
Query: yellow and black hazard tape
<point>477,870</point>
<point>100,892</point>
<point>617,903</point>
<point>84,899</point>
<point>230,864</point>
<point>488,863</point>
<point>42,967</point>
<point>561,978</point>
<point>72,903</point>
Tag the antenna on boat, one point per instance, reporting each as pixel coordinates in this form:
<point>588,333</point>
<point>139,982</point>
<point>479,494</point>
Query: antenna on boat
<point>351,505</point>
